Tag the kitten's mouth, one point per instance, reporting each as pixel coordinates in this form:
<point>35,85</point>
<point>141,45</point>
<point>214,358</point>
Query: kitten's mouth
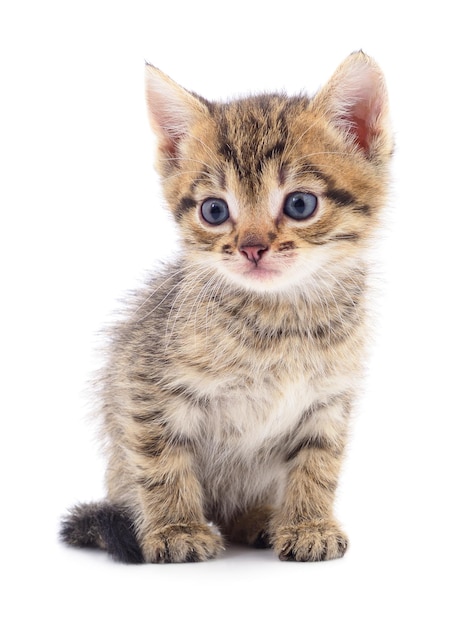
<point>258,272</point>
<point>266,274</point>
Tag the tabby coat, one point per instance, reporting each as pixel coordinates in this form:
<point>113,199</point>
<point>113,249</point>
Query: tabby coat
<point>229,383</point>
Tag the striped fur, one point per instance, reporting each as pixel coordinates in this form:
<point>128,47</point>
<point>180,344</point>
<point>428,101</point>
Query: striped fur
<point>229,383</point>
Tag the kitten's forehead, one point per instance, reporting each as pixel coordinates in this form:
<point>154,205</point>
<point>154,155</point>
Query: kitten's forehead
<point>254,132</point>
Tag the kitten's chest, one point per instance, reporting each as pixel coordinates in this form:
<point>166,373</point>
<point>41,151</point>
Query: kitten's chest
<point>247,410</point>
<point>251,374</point>
<point>262,411</point>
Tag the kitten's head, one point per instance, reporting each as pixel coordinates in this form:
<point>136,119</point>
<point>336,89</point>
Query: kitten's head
<point>274,191</point>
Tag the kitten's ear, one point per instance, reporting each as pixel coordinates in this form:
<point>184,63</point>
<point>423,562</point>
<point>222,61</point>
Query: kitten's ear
<point>172,110</point>
<point>355,101</point>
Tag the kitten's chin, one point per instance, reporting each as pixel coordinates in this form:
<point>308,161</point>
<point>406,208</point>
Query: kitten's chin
<point>260,279</point>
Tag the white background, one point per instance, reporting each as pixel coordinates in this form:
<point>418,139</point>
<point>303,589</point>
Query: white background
<point>81,221</point>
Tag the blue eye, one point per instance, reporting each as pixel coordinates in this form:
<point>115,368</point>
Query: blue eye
<point>300,205</point>
<point>215,211</point>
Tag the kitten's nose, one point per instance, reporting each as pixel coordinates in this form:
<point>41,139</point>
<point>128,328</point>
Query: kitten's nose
<point>253,252</point>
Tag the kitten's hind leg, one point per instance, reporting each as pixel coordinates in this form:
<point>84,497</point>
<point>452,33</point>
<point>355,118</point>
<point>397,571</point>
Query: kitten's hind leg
<point>251,527</point>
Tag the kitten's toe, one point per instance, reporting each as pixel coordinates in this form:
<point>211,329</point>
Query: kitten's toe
<point>182,543</point>
<point>310,541</point>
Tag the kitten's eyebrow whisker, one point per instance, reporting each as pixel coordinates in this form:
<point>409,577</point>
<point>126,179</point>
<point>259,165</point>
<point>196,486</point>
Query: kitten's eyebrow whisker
<point>310,154</point>
<point>200,178</point>
<point>297,163</point>
<point>207,148</point>
<point>291,148</point>
<point>184,159</point>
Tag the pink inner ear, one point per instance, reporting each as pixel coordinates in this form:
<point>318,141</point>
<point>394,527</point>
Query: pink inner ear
<point>363,115</point>
<point>168,125</point>
<point>171,110</point>
<point>169,143</point>
<point>356,101</point>
<point>361,125</point>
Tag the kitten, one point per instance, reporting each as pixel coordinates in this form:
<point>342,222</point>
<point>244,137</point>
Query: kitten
<point>229,384</point>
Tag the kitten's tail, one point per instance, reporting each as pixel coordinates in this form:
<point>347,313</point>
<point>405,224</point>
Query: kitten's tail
<point>102,525</point>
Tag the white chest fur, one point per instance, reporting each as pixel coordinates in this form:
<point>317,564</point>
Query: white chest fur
<point>248,414</point>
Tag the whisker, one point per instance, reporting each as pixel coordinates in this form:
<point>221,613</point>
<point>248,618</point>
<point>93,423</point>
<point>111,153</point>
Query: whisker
<point>179,297</point>
<point>196,307</point>
<point>207,148</point>
<point>186,290</point>
<point>182,159</point>
<point>291,148</point>
<point>181,172</point>
<point>152,293</point>
<point>156,289</point>
<point>216,289</point>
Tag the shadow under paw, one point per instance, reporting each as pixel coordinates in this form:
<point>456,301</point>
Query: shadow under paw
<point>251,528</point>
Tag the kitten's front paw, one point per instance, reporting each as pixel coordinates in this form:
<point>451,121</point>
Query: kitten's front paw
<point>310,541</point>
<point>182,543</point>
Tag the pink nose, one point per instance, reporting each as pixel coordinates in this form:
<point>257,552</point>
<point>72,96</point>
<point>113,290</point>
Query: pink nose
<point>253,253</point>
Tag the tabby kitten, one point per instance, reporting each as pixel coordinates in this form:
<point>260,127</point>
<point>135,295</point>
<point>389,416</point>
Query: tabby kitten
<point>229,384</point>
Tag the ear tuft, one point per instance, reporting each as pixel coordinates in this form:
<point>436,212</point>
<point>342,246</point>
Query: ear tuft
<point>355,100</point>
<point>172,110</point>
